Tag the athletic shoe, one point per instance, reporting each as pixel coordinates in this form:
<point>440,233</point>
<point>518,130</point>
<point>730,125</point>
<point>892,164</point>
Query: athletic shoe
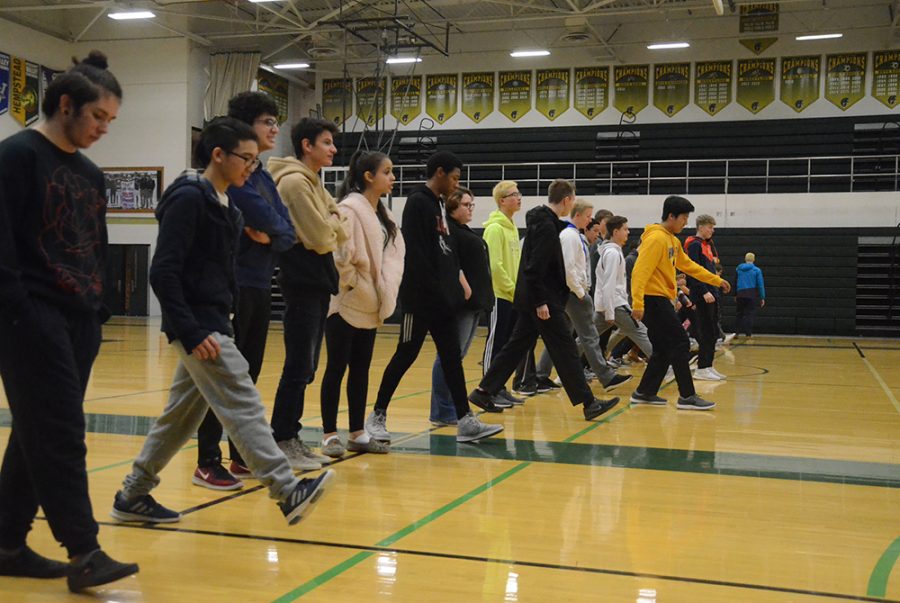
<point>526,389</point>
<point>598,407</point>
<point>374,446</point>
<point>695,345</point>
<point>306,494</point>
<point>706,374</point>
<point>240,471</point>
<point>695,359</point>
<point>25,563</point>
<point>97,568</point>
<point>669,376</point>
<point>376,426</point>
<point>443,423</point>
<point>544,384</point>
<point>728,338</point>
<point>484,401</point>
<point>639,398</point>
<point>216,478</point>
<point>294,453</point>
<point>470,428</point>
<point>506,396</point>
<point>615,362</point>
<point>333,447</point>
<point>694,402</point>
<point>313,456</point>
<point>589,375</point>
<point>143,508</point>
<point>557,381</point>
<point>617,380</point>
<point>718,374</point>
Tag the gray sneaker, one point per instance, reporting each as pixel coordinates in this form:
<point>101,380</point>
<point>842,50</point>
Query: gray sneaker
<point>333,448</point>
<point>315,456</point>
<point>470,428</point>
<point>374,446</point>
<point>694,402</point>
<point>294,453</point>
<point>376,426</point>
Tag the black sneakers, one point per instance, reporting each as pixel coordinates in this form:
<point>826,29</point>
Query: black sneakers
<point>484,401</point>
<point>694,402</point>
<point>142,508</point>
<point>545,384</point>
<point>504,394</point>
<point>97,568</point>
<point>617,380</point>
<point>25,563</point>
<point>639,398</point>
<point>307,493</point>
<point>598,407</point>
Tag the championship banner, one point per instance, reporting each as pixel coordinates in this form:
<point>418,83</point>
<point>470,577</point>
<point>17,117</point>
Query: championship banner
<point>755,83</point>
<point>800,81</point>
<point>25,83</point>
<point>886,77</point>
<point>552,92</point>
<point>845,79</point>
<point>277,88</point>
<point>47,76</point>
<point>591,90</point>
<point>478,95</point>
<point>406,97</point>
<point>4,83</point>
<point>671,87</point>
<point>632,88</point>
<point>759,17</point>
<point>370,102</point>
<point>712,85</point>
<point>757,45</point>
<point>515,93</point>
<point>441,93</point>
<point>337,100</point>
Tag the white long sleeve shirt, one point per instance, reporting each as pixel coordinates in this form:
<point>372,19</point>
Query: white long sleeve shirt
<point>611,291</point>
<point>575,255</point>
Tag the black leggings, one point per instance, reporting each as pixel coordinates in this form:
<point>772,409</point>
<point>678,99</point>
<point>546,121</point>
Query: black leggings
<point>346,346</point>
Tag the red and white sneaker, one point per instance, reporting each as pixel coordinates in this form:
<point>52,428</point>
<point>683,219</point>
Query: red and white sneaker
<point>240,471</point>
<point>216,478</point>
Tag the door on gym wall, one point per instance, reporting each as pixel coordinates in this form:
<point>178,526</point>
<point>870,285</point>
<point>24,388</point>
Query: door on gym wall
<point>125,289</point>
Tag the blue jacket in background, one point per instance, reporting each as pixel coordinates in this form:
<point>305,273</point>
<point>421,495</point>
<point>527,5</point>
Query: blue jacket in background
<point>750,280</point>
<point>262,209</point>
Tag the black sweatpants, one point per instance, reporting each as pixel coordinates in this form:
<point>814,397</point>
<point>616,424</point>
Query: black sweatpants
<point>500,326</point>
<point>347,346</point>
<point>251,329</point>
<point>45,362</point>
<point>670,348</point>
<point>445,333</point>
<point>706,316</point>
<point>746,313</point>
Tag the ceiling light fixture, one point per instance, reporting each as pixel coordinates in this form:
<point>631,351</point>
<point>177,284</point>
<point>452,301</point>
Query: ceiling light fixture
<point>291,66</point>
<point>830,36</point>
<point>529,53</point>
<point>402,60</point>
<point>720,8</point>
<point>668,46</point>
<point>134,14</point>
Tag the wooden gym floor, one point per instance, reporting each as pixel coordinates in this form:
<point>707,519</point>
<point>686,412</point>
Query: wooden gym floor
<point>788,491</point>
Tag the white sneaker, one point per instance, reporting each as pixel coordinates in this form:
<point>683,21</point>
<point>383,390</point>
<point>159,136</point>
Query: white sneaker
<point>718,374</point>
<point>376,426</point>
<point>706,374</point>
<point>294,453</point>
<point>315,456</point>
<point>728,338</point>
<point>470,428</point>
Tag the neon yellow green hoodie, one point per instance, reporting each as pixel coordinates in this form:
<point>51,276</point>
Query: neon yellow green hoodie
<point>502,238</point>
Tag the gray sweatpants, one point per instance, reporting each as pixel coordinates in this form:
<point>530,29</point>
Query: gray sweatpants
<point>223,384</point>
<point>630,328</point>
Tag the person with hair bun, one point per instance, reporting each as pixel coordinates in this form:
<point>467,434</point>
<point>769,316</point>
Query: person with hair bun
<point>53,247</point>
<point>370,265</point>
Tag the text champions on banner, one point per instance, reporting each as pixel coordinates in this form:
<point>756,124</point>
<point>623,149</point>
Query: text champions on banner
<point>552,92</point>
<point>632,88</point>
<point>591,90</point>
<point>515,94</point>
<point>441,92</point>
<point>478,95</point>
<point>370,101</point>
<point>671,87</point>
<point>800,81</point>
<point>406,97</point>
<point>886,77</point>
<point>755,84</point>
<point>845,79</point>
<point>337,100</point>
<point>712,85</point>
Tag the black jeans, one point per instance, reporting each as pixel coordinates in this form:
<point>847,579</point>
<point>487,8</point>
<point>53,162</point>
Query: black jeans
<point>445,333</point>
<point>746,313</point>
<point>670,348</point>
<point>500,326</point>
<point>45,362</point>
<point>251,329</point>
<point>304,328</point>
<point>556,332</point>
<point>350,347</point>
<point>707,319</point>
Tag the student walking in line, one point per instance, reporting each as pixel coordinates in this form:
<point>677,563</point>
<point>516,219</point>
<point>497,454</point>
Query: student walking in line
<point>751,294</point>
<point>370,264</point>
<point>308,278</point>
<point>475,278</point>
<point>430,296</point>
<point>51,309</point>
<point>267,220</point>
<point>706,298</point>
<point>653,298</point>
<point>192,274</point>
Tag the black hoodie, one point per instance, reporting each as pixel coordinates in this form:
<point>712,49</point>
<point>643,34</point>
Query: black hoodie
<point>192,272</point>
<point>472,252</point>
<point>542,271</point>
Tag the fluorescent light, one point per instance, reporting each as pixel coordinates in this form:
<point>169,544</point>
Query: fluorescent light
<point>668,46</point>
<point>291,66</point>
<point>134,14</point>
<point>261,1</point>
<point>819,37</point>
<point>401,60</point>
<point>529,53</point>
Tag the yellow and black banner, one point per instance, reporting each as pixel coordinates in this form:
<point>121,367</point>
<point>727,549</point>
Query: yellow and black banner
<point>671,87</point>
<point>478,95</point>
<point>757,45</point>
<point>24,102</point>
<point>800,81</point>
<point>515,93</point>
<point>441,92</point>
<point>759,17</point>
<point>406,97</point>
<point>845,79</point>
<point>552,92</point>
<point>886,77</point>
<point>591,90</point>
<point>755,84</point>
<point>337,100</point>
<point>277,88</point>
<point>632,88</point>
<point>712,85</point>
<point>370,99</point>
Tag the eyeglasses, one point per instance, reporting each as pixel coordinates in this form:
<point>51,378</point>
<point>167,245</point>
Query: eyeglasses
<point>468,205</point>
<point>251,162</point>
<point>516,194</point>
<point>269,122</point>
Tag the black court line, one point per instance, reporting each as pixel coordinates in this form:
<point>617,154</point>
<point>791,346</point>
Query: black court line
<point>861,355</point>
<point>140,393</point>
<point>500,561</point>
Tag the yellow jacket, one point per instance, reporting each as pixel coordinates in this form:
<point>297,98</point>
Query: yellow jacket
<point>654,272</point>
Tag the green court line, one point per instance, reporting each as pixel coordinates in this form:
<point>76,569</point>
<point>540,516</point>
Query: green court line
<point>878,581</point>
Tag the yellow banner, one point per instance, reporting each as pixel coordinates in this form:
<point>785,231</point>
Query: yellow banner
<point>845,79</point>
<point>759,17</point>
<point>552,92</point>
<point>515,93</point>
<point>277,88</point>
<point>800,81</point>
<point>24,78</point>
<point>591,90</point>
<point>441,93</point>
<point>478,95</point>
<point>370,101</point>
<point>712,85</point>
<point>337,100</point>
<point>755,84</point>
<point>406,97</point>
<point>886,77</point>
<point>671,87</point>
<point>632,88</point>
<point>757,45</point>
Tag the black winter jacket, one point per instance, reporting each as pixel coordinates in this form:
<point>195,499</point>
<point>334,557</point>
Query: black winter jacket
<point>542,271</point>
